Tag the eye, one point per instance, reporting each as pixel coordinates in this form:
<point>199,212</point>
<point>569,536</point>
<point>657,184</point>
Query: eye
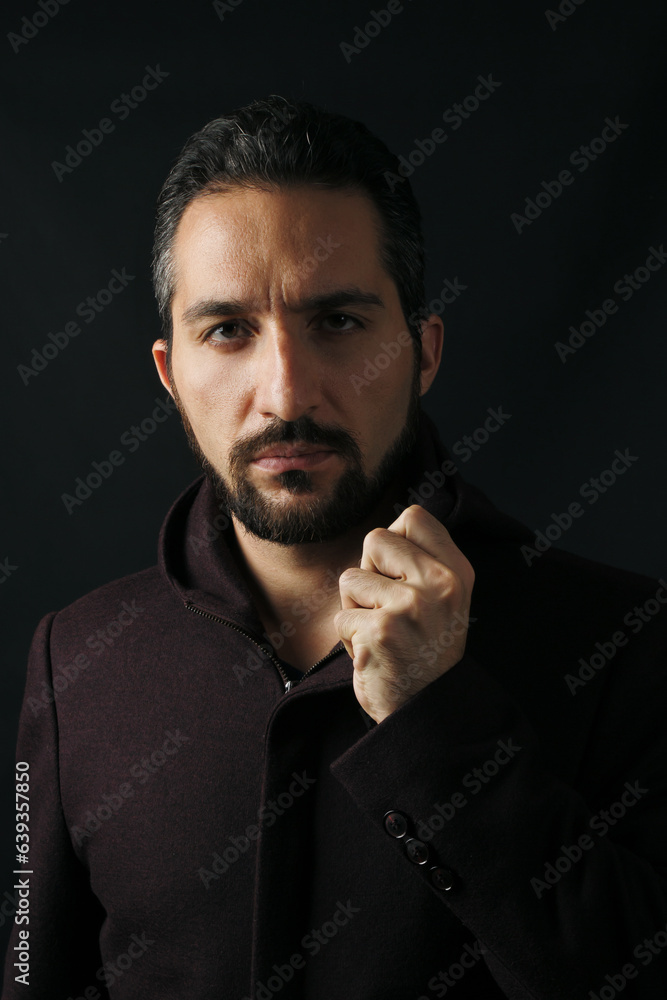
<point>226,334</point>
<point>231,329</point>
<point>334,318</point>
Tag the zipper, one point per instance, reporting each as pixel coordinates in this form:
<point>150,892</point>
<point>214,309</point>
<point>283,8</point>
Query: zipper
<point>333,652</point>
<point>287,683</point>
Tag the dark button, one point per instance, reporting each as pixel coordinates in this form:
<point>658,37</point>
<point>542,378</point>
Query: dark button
<point>395,824</point>
<point>442,878</point>
<point>416,851</point>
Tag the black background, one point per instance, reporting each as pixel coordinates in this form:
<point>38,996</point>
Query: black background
<point>61,240</point>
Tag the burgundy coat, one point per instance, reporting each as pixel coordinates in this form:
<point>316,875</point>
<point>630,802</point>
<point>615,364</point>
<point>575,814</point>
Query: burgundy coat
<point>199,832</point>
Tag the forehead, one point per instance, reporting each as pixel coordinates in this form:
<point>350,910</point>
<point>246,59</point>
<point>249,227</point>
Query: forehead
<point>277,240</point>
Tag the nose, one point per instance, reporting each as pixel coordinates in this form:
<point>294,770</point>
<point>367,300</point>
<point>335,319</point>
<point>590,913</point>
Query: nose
<point>288,376</point>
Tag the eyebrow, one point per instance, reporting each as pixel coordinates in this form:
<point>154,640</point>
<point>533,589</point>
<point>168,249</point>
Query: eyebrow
<point>326,300</point>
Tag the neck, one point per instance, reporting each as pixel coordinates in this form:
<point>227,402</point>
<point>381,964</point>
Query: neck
<point>286,578</point>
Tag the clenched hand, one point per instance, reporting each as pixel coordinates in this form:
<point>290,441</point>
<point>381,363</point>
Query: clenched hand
<point>405,610</point>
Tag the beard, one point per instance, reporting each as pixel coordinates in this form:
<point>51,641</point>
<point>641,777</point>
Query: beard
<point>312,518</point>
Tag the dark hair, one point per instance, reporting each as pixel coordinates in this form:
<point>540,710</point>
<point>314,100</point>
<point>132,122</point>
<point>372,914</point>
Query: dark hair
<point>278,142</point>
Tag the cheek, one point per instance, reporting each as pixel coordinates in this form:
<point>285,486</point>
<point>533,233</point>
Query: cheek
<point>211,403</point>
<point>382,386</point>
<point>377,410</point>
<point>204,386</point>
<point>383,370</point>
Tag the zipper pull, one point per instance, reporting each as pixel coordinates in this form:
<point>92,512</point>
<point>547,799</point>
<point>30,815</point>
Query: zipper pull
<point>288,686</point>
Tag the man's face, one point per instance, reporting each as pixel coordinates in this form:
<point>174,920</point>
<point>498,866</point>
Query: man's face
<point>280,303</point>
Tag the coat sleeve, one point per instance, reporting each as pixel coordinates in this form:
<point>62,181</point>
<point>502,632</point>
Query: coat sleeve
<point>566,899</point>
<point>63,915</point>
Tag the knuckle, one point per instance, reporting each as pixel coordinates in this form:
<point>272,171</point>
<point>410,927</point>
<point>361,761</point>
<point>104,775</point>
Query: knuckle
<point>363,658</point>
<point>412,602</point>
<point>374,535</point>
<point>414,510</point>
<point>443,580</point>
<point>381,629</point>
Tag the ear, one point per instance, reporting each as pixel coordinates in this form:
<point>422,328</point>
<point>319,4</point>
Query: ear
<point>432,338</point>
<point>159,352</point>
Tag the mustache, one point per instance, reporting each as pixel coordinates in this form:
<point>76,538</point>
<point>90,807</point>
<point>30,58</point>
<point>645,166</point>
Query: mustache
<point>304,430</point>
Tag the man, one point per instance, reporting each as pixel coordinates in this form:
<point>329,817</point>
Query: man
<point>295,771</point>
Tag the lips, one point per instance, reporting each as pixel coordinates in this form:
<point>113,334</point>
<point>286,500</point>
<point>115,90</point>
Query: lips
<point>291,451</point>
<point>288,457</point>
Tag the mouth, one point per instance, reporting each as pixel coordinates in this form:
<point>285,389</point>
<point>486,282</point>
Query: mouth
<point>280,458</point>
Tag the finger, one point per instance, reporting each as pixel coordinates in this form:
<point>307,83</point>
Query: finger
<point>366,589</point>
<point>424,530</point>
<point>351,625</point>
<point>397,558</point>
<point>416,547</point>
<point>390,554</point>
<point>348,621</point>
